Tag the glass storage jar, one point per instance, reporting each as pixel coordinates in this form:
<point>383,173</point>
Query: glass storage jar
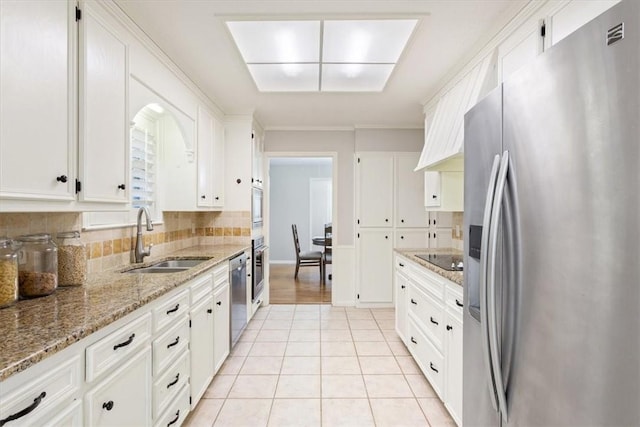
<point>37,265</point>
<point>72,259</point>
<point>8,273</point>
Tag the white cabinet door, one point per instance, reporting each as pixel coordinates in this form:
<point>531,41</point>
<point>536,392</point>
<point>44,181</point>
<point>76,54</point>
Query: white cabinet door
<point>103,125</point>
<point>402,288</point>
<point>217,185</point>
<point>440,219</point>
<point>123,398</point>
<point>205,158</point>
<point>453,366</point>
<point>440,238</point>
<point>375,189</point>
<point>407,239</point>
<point>432,189</point>
<point>201,345</point>
<point>572,16</point>
<point>520,48</point>
<point>221,337</point>
<point>37,105</point>
<point>257,149</point>
<point>375,266</point>
<point>409,188</point>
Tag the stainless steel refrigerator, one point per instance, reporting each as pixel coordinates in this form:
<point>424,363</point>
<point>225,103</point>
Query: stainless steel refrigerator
<point>552,253</point>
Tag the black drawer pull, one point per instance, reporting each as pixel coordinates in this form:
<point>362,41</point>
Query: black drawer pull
<point>401,264</point>
<point>126,343</point>
<point>449,327</point>
<point>402,286</point>
<point>174,382</point>
<point>173,421</point>
<point>219,303</point>
<point>26,410</point>
<point>174,343</point>
<point>209,310</point>
<point>413,301</point>
<point>434,321</point>
<point>62,178</point>
<point>108,406</point>
<point>432,368</point>
<point>174,309</point>
<point>458,303</point>
<point>413,340</point>
<point>121,187</point>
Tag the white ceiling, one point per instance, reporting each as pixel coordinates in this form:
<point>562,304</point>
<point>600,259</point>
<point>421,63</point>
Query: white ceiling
<point>194,35</point>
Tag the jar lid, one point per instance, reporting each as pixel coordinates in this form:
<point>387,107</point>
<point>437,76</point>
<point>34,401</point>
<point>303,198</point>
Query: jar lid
<point>68,234</point>
<point>34,237</point>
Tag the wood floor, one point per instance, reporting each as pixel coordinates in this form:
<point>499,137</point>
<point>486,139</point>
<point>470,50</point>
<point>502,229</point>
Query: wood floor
<point>307,289</point>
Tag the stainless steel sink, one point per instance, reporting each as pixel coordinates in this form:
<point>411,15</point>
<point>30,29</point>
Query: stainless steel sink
<point>169,266</point>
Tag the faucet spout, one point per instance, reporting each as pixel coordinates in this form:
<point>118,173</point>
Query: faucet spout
<point>140,251</point>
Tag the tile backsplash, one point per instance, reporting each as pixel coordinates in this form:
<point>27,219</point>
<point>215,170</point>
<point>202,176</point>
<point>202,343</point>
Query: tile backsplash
<point>113,247</point>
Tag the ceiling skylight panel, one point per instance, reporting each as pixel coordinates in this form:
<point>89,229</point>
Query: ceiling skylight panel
<point>285,77</point>
<point>277,41</point>
<point>355,77</point>
<point>365,41</point>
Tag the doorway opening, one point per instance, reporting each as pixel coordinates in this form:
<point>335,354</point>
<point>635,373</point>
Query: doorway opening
<point>300,194</point>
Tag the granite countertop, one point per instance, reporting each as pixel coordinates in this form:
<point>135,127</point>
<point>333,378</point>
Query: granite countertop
<point>34,329</point>
<point>454,276</point>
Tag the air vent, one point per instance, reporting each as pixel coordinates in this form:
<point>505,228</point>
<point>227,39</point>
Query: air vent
<point>615,34</point>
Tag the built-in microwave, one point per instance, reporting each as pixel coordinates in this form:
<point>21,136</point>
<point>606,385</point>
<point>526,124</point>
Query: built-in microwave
<point>256,207</point>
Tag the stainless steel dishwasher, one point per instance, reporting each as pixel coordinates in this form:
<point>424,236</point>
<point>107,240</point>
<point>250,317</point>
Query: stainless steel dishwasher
<point>238,279</point>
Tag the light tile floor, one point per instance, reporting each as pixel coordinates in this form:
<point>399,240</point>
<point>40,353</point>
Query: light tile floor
<point>318,365</point>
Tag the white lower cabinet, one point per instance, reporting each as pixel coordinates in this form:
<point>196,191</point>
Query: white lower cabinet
<point>429,321</point>
<point>375,270</point>
<point>176,413</point>
<point>69,415</point>
<point>124,397</point>
<point>202,359</point>
<point>221,337</point>
<point>167,386</point>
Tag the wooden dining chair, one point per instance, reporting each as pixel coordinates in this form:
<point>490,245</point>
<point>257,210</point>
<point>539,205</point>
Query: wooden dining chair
<point>306,259</point>
<point>327,254</point>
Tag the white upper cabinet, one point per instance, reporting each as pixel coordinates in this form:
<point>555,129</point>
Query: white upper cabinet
<point>205,158</point>
<point>37,105</point>
<point>218,174</point>
<point>520,48</point>
<point>375,189</point>
<point>104,130</point>
<point>571,16</point>
<point>409,187</point>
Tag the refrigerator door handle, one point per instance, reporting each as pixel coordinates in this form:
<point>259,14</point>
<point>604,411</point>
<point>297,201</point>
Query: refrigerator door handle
<point>491,288</point>
<point>484,258</point>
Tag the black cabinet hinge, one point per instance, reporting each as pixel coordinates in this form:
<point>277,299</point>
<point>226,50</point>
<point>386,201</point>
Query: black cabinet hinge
<point>189,322</point>
<point>358,296</point>
<point>78,13</point>
<point>189,400</point>
<point>358,159</point>
<point>543,30</point>
<point>358,221</point>
<point>78,186</point>
<point>358,235</point>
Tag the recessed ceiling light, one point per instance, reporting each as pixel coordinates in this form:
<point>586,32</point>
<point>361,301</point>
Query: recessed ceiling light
<point>335,55</point>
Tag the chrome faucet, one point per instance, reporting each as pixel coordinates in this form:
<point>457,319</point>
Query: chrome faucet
<point>140,251</point>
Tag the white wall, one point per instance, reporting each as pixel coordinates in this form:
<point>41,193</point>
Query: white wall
<point>289,204</point>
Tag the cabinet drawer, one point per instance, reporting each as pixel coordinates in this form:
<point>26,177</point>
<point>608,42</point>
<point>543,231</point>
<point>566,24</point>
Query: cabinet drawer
<point>168,346</point>
<point>221,275</point>
<point>428,281</point>
<point>429,359</point>
<point>69,415</point>
<point>201,287</point>
<point>178,410</point>
<point>44,393</point>
<point>166,388</point>
<point>171,309</point>
<point>401,264</point>
<point>428,313</point>
<point>124,397</point>
<point>117,347</point>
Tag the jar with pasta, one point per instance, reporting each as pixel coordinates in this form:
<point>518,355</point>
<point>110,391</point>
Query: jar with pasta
<point>72,259</point>
<point>37,265</point>
<point>8,273</point>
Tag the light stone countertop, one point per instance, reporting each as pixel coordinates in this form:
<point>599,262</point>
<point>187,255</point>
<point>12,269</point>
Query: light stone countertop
<point>34,329</point>
<point>454,276</point>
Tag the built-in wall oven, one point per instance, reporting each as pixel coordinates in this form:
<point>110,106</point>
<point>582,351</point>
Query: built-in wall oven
<point>256,207</point>
<point>258,249</point>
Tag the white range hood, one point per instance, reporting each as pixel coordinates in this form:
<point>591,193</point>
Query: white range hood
<point>444,128</point>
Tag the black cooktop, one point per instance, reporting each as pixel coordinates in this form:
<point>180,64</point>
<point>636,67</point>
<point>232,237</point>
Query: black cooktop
<point>444,261</point>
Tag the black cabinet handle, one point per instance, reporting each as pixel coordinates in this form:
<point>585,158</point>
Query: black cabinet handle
<point>449,327</point>
<point>458,303</point>
<point>219,303</point>
<point>386,220</point>
<point>401,264</point>
<point>402,237</point>
<point>174,309</point>
<point>434,321</point>
<point>174,382</point>
<point>121,187</point>
<point>108,406</point>
<point>217,198</point>
<point>386,237</point>
<point>432,368</point>
<point>173,421</point>
<point>434,196</point>
<point>413,340</point>
<point>413,301</point>
<point>402,286</point>
<point>61,178</point>
<point>209,310</point>
<point>25,411</point>
<point>434,222</point>
<point>126,343</point>
<point>203,197</point>
<point>174,343</point>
